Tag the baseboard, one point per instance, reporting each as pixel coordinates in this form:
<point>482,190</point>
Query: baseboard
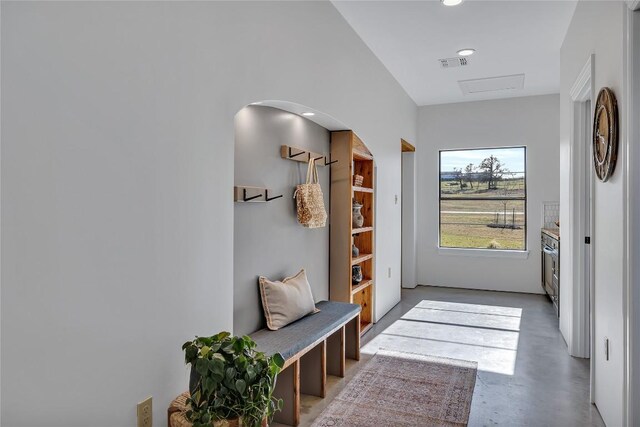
<point>480,289</point>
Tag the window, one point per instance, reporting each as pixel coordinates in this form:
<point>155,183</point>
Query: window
<point>483,198</point>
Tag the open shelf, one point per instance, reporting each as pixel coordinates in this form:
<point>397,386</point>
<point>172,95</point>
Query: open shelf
<point>361,258</point>
<point>361,155</point>
<point>363,190</point>
<point>361,286</point>
<point>361,230</point>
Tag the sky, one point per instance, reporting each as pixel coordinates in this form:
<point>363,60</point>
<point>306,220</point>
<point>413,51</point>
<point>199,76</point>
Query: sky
<point>511,158</point>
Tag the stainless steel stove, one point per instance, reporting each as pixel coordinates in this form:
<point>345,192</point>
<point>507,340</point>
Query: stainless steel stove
<point>550,247</point>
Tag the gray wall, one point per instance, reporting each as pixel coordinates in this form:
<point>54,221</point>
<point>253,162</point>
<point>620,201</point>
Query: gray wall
<point>267,239</point>
<point>532,121</point>
<point>117,173</point>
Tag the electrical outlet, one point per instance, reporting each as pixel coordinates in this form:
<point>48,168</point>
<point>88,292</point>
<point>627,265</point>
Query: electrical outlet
<point>389,273</point>
<point>145,413</point>
<point>396,199</point>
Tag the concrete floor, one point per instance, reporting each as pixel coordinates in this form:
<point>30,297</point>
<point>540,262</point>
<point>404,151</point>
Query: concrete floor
<point>525,374</point>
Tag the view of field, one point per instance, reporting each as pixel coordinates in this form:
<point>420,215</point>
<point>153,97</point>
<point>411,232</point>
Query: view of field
<point>482,208</point>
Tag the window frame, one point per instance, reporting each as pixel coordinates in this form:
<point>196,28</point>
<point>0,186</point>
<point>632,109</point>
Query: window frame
<point>453,250</point>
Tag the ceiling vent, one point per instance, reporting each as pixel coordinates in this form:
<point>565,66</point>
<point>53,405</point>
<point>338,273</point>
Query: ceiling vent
<point>492,84</point>
<point>453,62</point>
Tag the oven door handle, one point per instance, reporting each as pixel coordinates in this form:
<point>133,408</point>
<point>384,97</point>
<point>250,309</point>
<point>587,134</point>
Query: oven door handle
<point>550,251</point>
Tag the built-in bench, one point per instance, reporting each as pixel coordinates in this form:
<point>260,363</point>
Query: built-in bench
<point>312,347</point>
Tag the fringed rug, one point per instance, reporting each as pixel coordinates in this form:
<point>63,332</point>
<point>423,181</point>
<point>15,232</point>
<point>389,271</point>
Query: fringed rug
<point>404,389</point>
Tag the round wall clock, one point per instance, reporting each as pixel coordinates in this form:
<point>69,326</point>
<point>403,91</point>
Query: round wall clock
<point>605,134</point>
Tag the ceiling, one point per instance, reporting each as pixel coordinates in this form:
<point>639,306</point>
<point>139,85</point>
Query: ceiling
<point>510,37</point>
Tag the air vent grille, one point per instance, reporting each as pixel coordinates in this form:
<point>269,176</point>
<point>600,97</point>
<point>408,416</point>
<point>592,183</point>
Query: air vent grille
<point>453,62</point>
<point>492,84</point>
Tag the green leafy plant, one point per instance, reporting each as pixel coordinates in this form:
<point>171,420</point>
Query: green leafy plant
<point>230,379</point>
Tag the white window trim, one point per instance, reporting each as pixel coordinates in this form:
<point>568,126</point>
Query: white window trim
<point>481,252</point>
<point>485,253</point>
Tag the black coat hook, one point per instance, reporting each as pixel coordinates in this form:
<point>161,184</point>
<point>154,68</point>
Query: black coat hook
<point>266,196</point>
<point>329,163</point>
<point>244,196</point>
<point>295,155</point>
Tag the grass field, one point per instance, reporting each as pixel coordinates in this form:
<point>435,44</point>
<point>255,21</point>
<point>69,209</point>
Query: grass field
<point>464,223</point>
<point>481,236</point>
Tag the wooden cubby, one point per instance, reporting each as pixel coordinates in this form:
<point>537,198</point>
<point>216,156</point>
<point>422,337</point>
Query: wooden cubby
<point>354,158</point>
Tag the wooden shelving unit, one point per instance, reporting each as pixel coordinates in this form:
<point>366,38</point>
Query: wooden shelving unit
<point>361,230</point>
<point>360,258</point>
<point>353,157</point>
<point>362,190</point>
<point>357,288</point>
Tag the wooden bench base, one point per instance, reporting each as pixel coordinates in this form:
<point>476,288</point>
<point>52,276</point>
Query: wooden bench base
<point>306,372</point>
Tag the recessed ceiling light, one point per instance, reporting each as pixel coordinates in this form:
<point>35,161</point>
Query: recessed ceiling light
<point>466,52</point>
<point>256,103</point>
<point>451,2</point>
<point>308,114</point>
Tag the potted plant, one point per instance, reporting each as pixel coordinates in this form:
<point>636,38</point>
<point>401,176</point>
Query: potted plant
<point>231,383</point>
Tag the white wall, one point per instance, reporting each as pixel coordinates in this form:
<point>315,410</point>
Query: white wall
<point>117,154</point>
<point>530,121</point>
<point>597,28</point>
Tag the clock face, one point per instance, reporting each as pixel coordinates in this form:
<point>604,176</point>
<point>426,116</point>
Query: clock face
<point>605,134</point>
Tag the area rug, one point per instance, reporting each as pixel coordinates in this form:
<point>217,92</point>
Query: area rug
<point>404,389</point>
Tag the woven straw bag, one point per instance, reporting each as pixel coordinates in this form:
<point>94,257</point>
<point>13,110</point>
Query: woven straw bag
<point>309,200</point>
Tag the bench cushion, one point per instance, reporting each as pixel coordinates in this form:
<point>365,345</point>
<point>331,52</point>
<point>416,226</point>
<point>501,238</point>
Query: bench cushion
<point>300,334</point>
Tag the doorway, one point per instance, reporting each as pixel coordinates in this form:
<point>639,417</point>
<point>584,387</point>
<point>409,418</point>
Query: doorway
<point>408,206</point>
<point>586,253</point>
<point>588,223</point>
<point>582,300</point>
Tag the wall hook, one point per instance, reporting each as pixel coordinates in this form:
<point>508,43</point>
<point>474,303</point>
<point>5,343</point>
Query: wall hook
<point>329,163</point>
<point>294,155</point>
<point>266,196</point>
<point>245,198</point>
<point>301,155</point>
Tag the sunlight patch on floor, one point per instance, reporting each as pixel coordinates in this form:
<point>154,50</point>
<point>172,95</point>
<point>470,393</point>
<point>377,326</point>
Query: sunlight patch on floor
<point>481,333</point>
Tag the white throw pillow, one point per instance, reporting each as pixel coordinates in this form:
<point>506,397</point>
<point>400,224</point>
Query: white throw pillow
<point>286,301</point>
